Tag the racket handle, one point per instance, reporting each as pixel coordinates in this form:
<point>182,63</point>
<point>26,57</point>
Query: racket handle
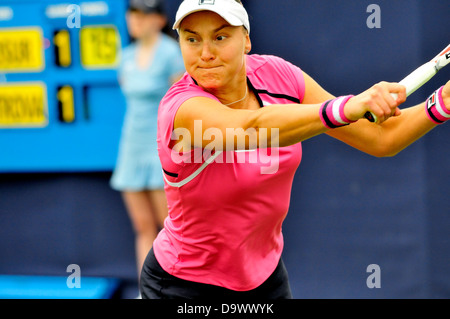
<point>419,77</point>
<point>371,117</point>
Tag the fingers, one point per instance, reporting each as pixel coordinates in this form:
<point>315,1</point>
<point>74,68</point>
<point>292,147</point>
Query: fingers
<point>398,92</point>
<point>384,98</point>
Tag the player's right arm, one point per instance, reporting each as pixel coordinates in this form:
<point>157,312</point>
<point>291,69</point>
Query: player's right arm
<point>292,123</point>
<point>203,117</point>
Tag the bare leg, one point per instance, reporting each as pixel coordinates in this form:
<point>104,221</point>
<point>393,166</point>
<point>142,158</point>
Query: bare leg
<point>145,225</point>
<point>159,202</point>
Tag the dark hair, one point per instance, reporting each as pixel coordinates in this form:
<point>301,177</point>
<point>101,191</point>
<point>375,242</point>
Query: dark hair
<point>147,6</point>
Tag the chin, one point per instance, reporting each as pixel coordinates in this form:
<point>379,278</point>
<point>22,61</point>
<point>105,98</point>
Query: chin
<point>209,84</point>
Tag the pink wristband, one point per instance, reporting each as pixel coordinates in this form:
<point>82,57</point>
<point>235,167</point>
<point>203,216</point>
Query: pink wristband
<point>332,112</point>
<point>435,107</point>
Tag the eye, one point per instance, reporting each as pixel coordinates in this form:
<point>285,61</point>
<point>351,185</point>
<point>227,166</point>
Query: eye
<point>221,38</point>
<point>191,40</point>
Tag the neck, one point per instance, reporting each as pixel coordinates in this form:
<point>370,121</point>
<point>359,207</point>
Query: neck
<point>146,50</point>
<point>240,100</point>
<point>235,95</point>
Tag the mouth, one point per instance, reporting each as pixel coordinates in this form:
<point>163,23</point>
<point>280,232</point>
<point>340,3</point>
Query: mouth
<point>208,67</point>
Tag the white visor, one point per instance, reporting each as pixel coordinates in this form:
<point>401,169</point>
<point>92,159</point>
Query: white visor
<point>230,10</point>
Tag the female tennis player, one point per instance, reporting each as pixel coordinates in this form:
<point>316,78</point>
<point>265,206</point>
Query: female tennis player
<point>219,128</point>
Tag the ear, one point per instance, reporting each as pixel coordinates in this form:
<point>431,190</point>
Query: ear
<point>248,44</point>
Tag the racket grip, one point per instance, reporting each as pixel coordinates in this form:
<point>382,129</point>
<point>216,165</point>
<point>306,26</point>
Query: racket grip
<point>371,117</point>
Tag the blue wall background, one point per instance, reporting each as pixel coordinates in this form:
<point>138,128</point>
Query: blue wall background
<point>348,210</point>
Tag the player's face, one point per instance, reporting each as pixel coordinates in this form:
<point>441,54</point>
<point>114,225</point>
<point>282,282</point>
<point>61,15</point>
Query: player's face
<point>213,50</point>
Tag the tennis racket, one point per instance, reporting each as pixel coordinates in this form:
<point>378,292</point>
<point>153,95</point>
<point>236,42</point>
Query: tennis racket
<point>420,76</point>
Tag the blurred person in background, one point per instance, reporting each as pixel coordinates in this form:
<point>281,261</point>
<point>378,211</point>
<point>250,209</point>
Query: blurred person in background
<point>149,66</point>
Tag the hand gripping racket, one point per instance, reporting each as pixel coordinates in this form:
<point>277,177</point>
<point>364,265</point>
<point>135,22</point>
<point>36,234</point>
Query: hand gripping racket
<point>420,76</point>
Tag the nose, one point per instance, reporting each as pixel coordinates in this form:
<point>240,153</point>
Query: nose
<point>207,52</point>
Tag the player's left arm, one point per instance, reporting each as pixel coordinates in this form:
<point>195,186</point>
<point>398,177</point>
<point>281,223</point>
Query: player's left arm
<point>381,140</point>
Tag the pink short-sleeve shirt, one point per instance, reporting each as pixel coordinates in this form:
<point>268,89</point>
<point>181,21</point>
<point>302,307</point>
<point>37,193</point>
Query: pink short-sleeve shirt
<point>224,225</point>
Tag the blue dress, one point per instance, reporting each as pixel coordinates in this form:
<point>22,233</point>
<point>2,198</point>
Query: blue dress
<point>138,166</point>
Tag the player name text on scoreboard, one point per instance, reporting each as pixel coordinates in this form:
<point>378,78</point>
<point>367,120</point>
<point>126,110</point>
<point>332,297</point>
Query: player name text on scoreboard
<point>23,105</point>
<point>21,50</point>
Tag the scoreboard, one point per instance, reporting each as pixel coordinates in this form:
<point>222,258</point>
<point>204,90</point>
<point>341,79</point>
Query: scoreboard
<point>61,108</point>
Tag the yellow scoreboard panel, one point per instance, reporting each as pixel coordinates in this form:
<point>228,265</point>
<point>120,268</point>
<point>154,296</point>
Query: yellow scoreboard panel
<point>21,50</point>
<point>23,105</point>
<point>99,46</point>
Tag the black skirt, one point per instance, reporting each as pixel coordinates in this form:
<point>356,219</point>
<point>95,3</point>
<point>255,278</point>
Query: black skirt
<point>156,283</point>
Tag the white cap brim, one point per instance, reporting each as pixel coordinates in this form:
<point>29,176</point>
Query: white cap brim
<point>230,10</point>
